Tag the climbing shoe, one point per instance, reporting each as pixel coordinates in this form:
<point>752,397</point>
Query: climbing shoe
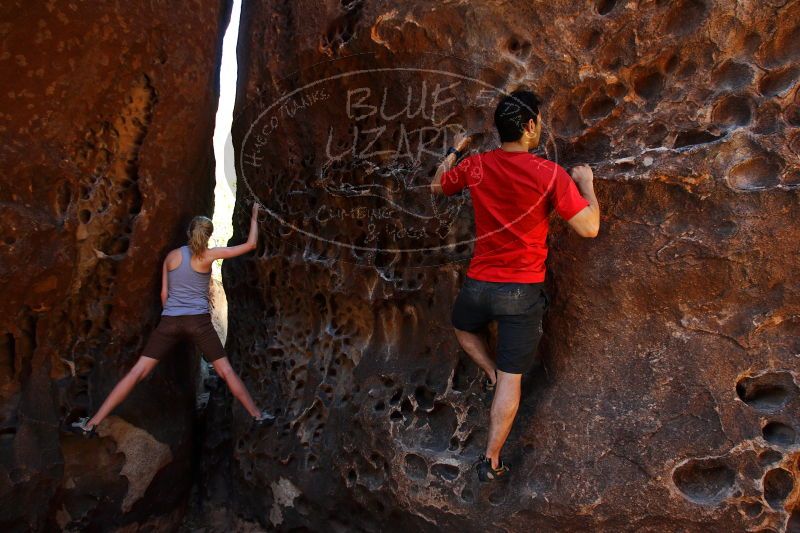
<point>80,428</point>
<point>263,420</point>
<point>485,471</point>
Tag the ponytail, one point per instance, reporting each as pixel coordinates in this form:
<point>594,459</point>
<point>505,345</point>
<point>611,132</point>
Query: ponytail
<point>200,230</point>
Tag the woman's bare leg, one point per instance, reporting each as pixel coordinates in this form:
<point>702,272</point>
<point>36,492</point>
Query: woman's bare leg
<point>226,372</point>
<point>122,389</point>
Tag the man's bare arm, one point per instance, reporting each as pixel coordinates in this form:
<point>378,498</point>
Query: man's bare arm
<point>447,164</point>
<point>586,222</point>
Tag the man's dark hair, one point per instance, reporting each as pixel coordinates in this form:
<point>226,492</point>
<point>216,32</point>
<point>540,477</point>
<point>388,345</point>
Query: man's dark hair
<point>513,112</point>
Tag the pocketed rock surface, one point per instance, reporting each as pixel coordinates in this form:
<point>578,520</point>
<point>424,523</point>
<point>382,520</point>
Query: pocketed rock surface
<point>667,395</point>
<point>106,118</point>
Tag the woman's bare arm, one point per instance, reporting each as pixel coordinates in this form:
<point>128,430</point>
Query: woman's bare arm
<point>164,284</point>
<point>226,252</point>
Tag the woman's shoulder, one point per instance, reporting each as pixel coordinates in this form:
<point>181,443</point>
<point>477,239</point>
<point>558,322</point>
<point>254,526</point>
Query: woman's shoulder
<point>174,258</point>
<point>176,251</point>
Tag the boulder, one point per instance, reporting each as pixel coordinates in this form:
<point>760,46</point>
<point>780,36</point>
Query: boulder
<point>667,394</point>
<point>106,122</point>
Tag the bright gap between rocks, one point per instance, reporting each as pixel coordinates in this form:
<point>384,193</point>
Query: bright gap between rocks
<point>225,171</point>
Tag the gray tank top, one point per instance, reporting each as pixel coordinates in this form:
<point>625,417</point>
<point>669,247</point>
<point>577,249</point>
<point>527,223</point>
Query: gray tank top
<point>187,292</point>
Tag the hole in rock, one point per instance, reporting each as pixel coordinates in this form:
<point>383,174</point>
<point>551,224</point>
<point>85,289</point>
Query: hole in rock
<point>733,110</point>
<point>461,379</point>
<point>706,482</point>
<point>769,457</point>
<point>597,107</point>
<point>592,147</point>
<point>604,7</point>
<point>767,392</point>
<point>395,399</point>
<point>443,422</point>
<point>63,198</point>
<point>406,406</point>
<point>446,472</point>
<point>454,444</point>
<point>120,246</point>
<point>732,75</point>
<point>778,434</point>
<point>424,398</point>
<point>694,137</point>
<point>591,39</point>
<point>415,466</point>
<point>776,82</point>
<point>655,135</point>
<point>755,174</point>
<point>518,47</point>
<point>84,216</point>
<point>778,484</point>
<point>752,509</point>
<point>648,84</point>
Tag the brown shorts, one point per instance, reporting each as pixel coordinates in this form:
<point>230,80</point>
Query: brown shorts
<point>173,329</point>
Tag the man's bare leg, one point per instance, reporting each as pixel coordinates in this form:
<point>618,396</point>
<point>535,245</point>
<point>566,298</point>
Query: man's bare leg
<point>476,348</point>
<point>504,410</point>
<point>122,389</point>
<point>226,372</point>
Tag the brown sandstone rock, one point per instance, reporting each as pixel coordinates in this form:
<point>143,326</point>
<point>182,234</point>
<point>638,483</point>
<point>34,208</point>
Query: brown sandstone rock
<point>106,117</point>
<point>668,395</point>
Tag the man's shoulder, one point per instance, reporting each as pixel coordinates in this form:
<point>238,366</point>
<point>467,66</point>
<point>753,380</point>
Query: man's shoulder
<point>546,164</point>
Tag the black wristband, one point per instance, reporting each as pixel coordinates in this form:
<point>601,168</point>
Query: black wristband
<point>453,150</point>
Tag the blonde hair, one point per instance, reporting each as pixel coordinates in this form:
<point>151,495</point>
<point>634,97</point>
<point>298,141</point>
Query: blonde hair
<point>200,230</point>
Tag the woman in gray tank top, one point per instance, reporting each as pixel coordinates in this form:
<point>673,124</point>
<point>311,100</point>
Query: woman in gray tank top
<point>184,297</point>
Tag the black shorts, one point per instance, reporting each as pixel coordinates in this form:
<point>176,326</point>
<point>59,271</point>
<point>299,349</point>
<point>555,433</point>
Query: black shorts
<point>173,329</point>
<point>518,309</point>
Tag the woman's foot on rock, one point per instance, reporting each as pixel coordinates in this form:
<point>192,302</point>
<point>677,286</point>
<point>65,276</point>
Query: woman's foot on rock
<point>81,427</point>
<point>264,419</point>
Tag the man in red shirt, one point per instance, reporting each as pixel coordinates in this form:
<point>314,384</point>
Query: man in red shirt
<point>513,193</point>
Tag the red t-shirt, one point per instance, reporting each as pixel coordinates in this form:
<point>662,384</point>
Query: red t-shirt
<point>512,195</point>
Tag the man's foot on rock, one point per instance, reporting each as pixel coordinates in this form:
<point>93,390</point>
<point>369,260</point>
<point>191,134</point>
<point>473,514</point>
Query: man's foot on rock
<point>81,427</point>
<point>487,473</point>
<point>263,420</point>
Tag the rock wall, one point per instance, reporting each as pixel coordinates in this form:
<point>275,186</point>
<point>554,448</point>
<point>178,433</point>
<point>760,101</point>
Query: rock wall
<point>106,119</point>
<point>667,398</point>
